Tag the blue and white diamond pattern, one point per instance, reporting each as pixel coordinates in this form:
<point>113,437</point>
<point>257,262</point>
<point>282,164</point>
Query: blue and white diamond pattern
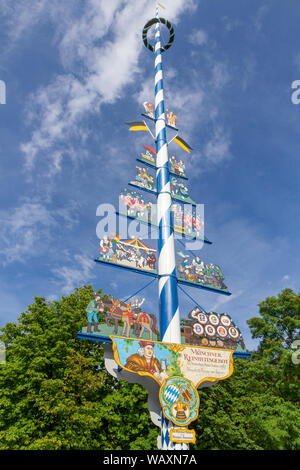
<point>171,393</point>
<point>166,443</point>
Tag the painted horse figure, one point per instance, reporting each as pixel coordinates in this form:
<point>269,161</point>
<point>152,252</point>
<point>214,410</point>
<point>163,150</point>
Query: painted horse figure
<point>115,311</point>
<point>118,311</point>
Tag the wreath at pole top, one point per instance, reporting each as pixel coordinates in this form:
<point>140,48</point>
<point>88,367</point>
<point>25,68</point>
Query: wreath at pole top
<point>151,23</point>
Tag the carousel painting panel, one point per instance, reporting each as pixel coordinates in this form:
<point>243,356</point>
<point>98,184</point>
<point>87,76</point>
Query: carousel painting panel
<point>129,254</point>
<point>125,319</point>
<point>192,270</point>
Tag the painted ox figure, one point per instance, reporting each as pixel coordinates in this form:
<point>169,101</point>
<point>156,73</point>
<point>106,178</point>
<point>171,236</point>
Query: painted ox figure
<point>118,311</point>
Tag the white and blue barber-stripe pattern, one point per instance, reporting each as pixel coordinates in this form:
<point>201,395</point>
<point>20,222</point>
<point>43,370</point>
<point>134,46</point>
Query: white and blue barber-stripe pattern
<point>168,297</point>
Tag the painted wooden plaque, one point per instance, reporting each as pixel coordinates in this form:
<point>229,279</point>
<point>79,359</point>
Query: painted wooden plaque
<point>176,167</point>
<point>125,319</point>
<point>171,118</point>
<point>179,400</point>
<point>185,219</point>
<point>145,181</point>
<point>130,254</point>
<point>161,361</point>
<point>192,270</point>
<point>133,205</point>
<point>212,330</point>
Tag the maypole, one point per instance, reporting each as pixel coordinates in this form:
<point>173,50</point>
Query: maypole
<point>167,282</point>
<point>171,361</point>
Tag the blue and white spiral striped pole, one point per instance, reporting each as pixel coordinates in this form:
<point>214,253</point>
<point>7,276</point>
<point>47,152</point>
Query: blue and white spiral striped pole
<point>167,283</point>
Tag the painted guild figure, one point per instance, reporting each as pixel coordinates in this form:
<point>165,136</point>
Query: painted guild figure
<point>183,190</point>
<point>184,266</point>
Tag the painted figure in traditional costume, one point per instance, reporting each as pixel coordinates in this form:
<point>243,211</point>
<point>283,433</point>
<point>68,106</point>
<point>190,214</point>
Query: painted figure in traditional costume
<point>182,190</point>
<point>144,360</point>
<point>174,185</point>
<point>177,167</point>
<point>149,109</point>
<point>92,314</point>
<point>106,248</point>
<point>185,268</point>
<point>198,266</point>
<point>197,225</point>
<point>151,260</point>
<point>148,156</point>
<point>171,119</point>
<point>173,163</point>
<point>181,167</point>
<point>143,177</point>
<point>136,305</point>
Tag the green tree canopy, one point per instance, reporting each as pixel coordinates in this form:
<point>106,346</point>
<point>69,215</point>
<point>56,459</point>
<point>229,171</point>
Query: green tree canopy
<point>56,393</point>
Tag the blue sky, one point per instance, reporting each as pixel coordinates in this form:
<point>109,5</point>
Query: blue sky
<point>76,71</point>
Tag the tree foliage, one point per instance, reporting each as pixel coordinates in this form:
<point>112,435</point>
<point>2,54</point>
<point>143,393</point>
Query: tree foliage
<point>56,393</point>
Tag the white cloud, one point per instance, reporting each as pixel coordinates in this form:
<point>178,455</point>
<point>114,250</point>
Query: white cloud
<point>25,230</point>
<point>220,74</point>
<point>101,45</point>
<point>260,15</point>
<point>71,277</point>
<point>217,148</point>
<point>198,37</point>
